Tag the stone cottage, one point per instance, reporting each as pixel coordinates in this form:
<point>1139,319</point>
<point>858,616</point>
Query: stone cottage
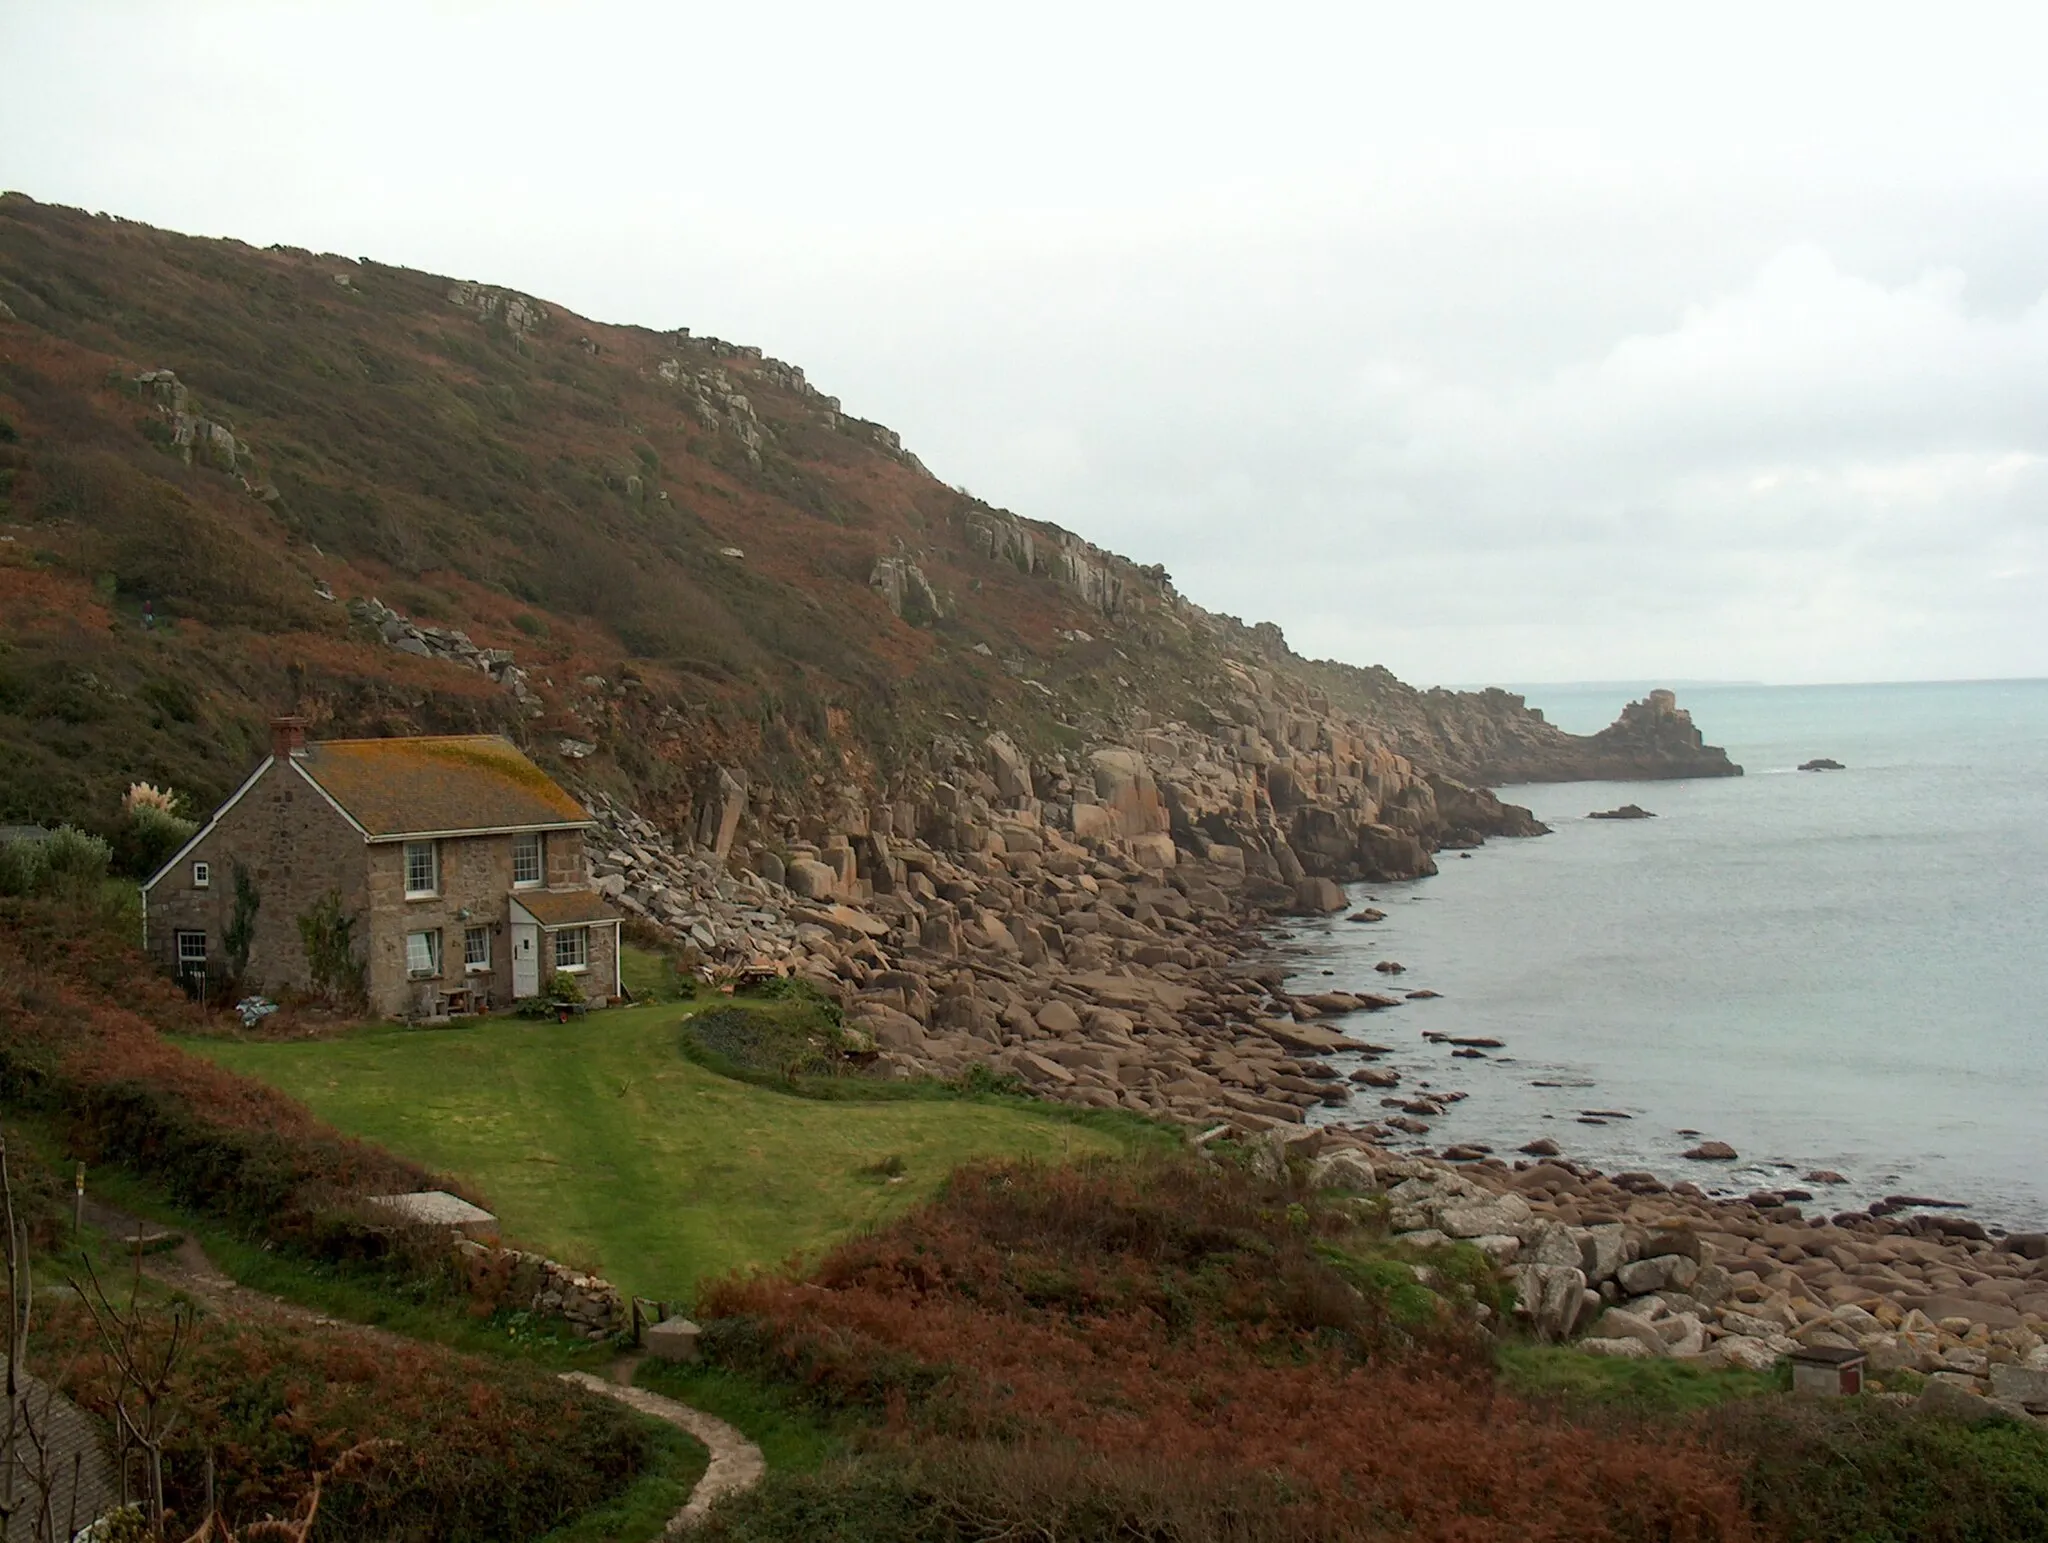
<point>449,870</point>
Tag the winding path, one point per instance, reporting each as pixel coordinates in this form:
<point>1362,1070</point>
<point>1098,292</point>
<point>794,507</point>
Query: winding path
<point>736,1463</point>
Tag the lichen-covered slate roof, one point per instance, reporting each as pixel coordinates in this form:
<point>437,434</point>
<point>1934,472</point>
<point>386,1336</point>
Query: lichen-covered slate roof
<point>432,783</point>
<point>565,907</point>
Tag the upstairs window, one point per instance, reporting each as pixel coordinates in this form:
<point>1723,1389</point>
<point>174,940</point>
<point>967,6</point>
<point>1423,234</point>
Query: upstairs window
<point>527,871</point>
<point>423,953</point>
<point>191,951</point>
<point>202,875</point>
<point>422,869</point>
<point>572,948</point>
<point>476,948</point>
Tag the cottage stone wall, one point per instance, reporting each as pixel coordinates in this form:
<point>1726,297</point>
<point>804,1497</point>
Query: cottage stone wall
<point>476,877</point>
<point>603,973</point>
<point>295,848</point>
<point>563,855</point>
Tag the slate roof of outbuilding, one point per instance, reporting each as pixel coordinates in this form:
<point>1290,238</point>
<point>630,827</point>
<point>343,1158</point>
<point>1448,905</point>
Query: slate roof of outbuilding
<point>438,784</point>
<point>87,1488</point>
<point>564,907</point>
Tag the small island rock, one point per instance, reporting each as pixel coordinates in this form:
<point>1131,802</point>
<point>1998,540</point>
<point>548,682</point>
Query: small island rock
<point>1712,1152</point>
<point>1625,812</point>
<point>1822,763</point>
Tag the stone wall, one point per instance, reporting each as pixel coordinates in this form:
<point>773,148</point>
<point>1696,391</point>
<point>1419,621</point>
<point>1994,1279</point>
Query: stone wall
<point>516,1280</point>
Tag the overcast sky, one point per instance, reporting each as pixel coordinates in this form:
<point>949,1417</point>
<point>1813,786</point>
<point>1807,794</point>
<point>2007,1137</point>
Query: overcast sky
<point>1488,342</point>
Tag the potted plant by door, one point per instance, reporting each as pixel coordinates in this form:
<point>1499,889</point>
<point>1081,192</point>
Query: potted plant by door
<point>565,994</point>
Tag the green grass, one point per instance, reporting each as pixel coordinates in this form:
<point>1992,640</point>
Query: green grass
<point>1651,1387</point>
<point>642,1512</point>
<point>599,1143</point>
<point>791,1438</point>
<point>651,976</point>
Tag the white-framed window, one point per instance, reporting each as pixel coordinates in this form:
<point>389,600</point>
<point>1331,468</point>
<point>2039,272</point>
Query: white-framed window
<point>423,953</point>
<point>202,875</point>
<point>191,951</point>
<point>422,869</point>
<point>572,948</point>
<point>476,948</point>
<point>528,867</point>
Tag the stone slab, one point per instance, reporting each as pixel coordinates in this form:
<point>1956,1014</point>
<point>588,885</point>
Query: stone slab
<point>672,1339</point>
<point>438,1208</point>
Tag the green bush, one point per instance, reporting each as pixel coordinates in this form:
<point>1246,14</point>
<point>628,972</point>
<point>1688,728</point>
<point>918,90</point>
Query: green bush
<point>1867,1470</point>
<point>66,861</point>
<point>148,838</point>
<point>21,867</point>
<point>71,854</point>
<point>751,1044</point>
<point>327,932</point>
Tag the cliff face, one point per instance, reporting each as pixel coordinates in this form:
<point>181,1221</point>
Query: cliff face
<point>235,481</point>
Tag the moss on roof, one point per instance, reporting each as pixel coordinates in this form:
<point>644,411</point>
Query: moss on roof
<point>564,908</point>
<point>452,782</point>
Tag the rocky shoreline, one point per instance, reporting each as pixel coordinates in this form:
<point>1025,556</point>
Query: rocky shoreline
<point>1624,1265</point>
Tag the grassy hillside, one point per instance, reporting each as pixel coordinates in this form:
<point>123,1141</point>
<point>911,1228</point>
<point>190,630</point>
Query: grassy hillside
<point>212,457</point>
<point>569,491</point>
<point>601,1144</point>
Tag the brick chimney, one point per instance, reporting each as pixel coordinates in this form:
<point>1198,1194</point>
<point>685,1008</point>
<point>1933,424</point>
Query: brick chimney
<point>287,737</point>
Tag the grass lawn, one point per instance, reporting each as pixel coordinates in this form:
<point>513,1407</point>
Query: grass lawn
<point>599,1144</point>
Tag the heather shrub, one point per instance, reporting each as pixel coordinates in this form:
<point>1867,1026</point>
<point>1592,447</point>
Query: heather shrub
<point>985,1492</point>
<point>75,1045</point>
<point>471,1449</point>
<point>1174,1349</point>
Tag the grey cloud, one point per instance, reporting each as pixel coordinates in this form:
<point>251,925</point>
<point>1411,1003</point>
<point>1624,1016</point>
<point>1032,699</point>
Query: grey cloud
<point>1495,343</point>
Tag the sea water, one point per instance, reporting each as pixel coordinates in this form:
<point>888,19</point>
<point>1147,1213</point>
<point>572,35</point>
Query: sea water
<point>1841,970</point>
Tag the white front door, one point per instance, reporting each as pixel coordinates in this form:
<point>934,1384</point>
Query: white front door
<point>525,960</point>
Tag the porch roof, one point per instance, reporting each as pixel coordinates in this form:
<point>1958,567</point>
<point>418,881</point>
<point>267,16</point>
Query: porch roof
<point>554,908</point>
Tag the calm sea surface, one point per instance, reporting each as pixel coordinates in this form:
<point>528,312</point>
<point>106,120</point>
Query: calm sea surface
<point>1843,970</point>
